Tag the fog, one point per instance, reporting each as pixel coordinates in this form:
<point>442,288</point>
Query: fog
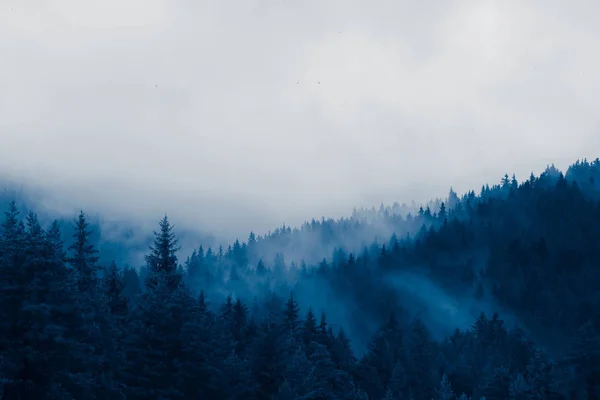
<point>233,116</point>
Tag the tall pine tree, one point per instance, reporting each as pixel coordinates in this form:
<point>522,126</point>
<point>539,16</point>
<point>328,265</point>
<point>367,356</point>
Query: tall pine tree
<point>84,255</point>
<point>162,260</point>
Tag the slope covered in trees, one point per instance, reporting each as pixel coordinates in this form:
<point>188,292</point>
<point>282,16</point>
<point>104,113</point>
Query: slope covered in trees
<point>117,238</point>
<point>489,295</point>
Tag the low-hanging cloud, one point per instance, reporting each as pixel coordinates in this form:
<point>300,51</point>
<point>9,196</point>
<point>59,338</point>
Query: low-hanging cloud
<point>243,115</point>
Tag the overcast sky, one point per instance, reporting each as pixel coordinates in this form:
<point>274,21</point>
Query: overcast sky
<point>250,113</point>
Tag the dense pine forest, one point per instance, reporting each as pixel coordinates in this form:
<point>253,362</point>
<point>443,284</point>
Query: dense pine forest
<point>494,295</point>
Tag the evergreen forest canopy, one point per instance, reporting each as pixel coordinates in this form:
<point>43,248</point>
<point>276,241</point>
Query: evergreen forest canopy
<point>492,295</point>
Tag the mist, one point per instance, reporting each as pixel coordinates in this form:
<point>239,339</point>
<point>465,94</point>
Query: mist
<point>198,110</point>
<point>328,152</point>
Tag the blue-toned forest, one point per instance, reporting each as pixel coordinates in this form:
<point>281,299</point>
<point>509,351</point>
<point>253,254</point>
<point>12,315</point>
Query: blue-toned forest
<point>491,294</point>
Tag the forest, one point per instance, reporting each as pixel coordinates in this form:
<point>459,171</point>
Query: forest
<point>493,295</point>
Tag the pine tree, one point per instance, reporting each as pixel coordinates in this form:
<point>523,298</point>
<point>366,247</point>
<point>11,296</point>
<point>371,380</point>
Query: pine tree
<point>453,199</point>
<point>162,260</point>
<point>498,386</point>
<point>326,380</point>
<point>323,324</point>
<point>192,268</point>
<point>13,232</point>
<point>226,312</point>
<point>54,244</point>
<point>251,239</point>
<point>84,256</point>
<point>342,353</point>
<point>261,270</point>
<point>268,362</point>
<point>442,213</point>
<point>97,329</point>
<point>12,298</point>
<point>48,323</point>
<point>291,316</point>
<point>420,349</point>
<point>323,333</point>
<point>114,292</point>
<point>309,330</point>
<point>445,391</point>
<point>200,366</point>
<point>296,371</point>
<point>239,322</point>
<point>202,303</point>
<point>34,237</point>
<point>239,383</point>
<point>539,375</point>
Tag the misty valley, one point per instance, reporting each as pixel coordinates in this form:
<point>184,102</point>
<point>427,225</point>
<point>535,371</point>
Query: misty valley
<point>492,294</point>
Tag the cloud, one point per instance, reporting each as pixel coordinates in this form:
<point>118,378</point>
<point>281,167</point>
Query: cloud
<point>243,115</point>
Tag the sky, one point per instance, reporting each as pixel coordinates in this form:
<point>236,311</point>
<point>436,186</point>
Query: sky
<point>238,115</point>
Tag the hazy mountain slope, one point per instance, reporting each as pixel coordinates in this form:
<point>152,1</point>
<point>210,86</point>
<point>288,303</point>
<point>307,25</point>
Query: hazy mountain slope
<point>493,295</point>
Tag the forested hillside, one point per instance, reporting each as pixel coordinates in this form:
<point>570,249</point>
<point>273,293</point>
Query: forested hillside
<point>493,294</point>
<point>118,239</point>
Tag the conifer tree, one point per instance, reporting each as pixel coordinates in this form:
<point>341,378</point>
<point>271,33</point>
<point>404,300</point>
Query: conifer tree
<point>309,330</point>
<point>83,256</point>
<point>261,269</point>
<point>291,316</point>
<point>13,232</point>
<point>445,390</point>
<point>34,237</point>
<point>55,249</point>
<point>116,301</point>
<point>162,260</point>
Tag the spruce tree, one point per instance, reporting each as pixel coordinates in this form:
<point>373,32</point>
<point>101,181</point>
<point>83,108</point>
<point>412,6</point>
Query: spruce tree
<point>113,290</point>
<point>309,330</point>
<point>83,256</point>
<point>162,260</point>
<point>291,316</point>
<point>445,390</point>
<point>13,232</point>
<point>54,244</point>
